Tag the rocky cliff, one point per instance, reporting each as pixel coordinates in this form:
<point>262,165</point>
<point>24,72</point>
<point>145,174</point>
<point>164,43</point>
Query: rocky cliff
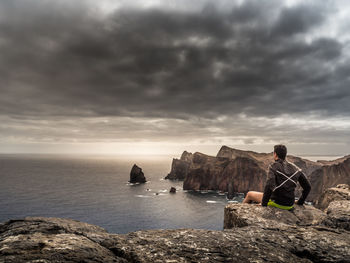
<point>331,173</point>
<point>233,170</point>
<point>252,234</point>
<point>180,168</point>
<point>339,193</point>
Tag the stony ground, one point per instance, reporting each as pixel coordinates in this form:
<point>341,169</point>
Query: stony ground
<point>252,234</point>
<point>63,240</point>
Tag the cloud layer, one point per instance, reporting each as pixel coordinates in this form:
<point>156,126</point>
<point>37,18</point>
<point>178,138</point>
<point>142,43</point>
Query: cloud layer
<point>67,63</point>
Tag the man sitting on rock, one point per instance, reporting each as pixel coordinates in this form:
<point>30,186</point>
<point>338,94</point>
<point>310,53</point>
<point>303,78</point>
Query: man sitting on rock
<point>281,181</point>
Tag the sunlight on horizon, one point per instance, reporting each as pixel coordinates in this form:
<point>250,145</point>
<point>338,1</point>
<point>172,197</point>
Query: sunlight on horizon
<point>167,149</point>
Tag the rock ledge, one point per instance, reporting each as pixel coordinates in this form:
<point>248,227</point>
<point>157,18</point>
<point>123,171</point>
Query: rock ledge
<point>252,234</point>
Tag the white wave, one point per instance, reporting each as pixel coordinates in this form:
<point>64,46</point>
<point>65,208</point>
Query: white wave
<point>142,196</point>
<point>131,184</point>
<point>212,202</point>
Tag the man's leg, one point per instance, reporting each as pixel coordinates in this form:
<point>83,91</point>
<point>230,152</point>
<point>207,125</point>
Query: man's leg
<point>253,196</point>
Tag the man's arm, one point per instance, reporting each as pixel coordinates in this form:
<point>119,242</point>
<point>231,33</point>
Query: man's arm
<point>306,188</point>
<point>269,186</point>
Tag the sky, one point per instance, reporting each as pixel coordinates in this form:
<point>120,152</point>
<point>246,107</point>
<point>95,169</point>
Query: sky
<point>161,77</point>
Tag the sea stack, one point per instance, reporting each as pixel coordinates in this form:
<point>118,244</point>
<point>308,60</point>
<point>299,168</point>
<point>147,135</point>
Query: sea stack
<point>230,191</point>
<point>136,175</point>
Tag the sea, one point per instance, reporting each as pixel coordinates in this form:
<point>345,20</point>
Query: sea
<point>95,189</point>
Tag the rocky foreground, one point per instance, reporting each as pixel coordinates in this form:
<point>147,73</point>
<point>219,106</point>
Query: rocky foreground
<point>233,170</point>
<point>252,234</point>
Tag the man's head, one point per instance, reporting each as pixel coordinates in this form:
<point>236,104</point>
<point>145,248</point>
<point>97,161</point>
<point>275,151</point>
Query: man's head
<point>280,150</point>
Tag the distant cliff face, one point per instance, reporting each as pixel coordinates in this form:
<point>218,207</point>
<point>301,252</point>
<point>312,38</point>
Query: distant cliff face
<point>217,173</point>
<point>180,168</point>
<point>233,170</point>
<point>339,193</point>
<point>330,174</point>
<point>205,173</point>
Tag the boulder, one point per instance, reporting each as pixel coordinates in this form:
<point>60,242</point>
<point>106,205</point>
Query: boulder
<point>172,190</point>
<point>39,239</point>
<point>307,232</point>
<point>335,202</point>
<point>240,215</point>
<point>136,175</point>
<point>340,192</point>
<point>338,215</point>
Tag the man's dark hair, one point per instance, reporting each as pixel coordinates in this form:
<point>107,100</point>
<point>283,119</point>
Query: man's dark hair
<point>281,151</point>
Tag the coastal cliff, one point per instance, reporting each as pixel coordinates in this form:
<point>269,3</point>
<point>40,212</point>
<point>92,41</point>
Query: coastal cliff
<point>330,174</point>
<point>179,168</point>
<point>252,234</point>
<point>233,170</point>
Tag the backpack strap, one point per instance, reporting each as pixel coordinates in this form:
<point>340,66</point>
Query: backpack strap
<point>288,178</point>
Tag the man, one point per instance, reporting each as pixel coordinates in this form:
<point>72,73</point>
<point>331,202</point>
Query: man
<point>281,181</point>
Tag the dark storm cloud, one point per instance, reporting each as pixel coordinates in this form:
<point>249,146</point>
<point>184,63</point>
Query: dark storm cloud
<point>69,59</point>
<point>299,19</point>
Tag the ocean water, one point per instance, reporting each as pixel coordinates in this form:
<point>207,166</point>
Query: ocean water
<point>95,189</point>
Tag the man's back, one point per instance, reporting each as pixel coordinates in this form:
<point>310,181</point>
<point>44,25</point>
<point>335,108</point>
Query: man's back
<point>282,179</point>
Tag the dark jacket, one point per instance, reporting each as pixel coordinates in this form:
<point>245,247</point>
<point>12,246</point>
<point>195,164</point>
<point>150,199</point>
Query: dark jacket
<point>279,188</point>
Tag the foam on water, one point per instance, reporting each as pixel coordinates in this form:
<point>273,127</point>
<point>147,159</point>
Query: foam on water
<point>212,202</point>
<point>143,196</point>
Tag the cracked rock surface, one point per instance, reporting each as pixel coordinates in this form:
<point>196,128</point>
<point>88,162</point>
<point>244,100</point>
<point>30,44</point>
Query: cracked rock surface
<point>306,232</point>
<point>252,234</point>
<point>53,240</point>
<point>36,239</point>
